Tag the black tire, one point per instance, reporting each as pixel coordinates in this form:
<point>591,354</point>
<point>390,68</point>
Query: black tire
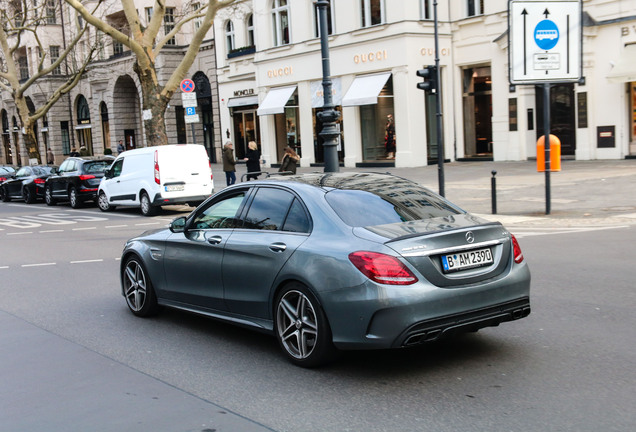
<point>48,196</point>
<point>147,209</point>
<point>103,204</point>
<point>73,198</point>
<point>301,327</point>
<point>28,195</point>
<point>138,291</point>
<point>4,194</point>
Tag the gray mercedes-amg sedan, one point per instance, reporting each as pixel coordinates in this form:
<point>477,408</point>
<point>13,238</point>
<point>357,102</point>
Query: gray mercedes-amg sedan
<point>328,262</point>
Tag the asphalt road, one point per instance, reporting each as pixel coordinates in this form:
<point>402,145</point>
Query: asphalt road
<point>568,366</point>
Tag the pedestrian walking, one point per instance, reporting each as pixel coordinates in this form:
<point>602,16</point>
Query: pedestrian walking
<point>74,152</point>
<point>229,163</point>
<point>50,159</point>
<point>120,147</point>
<point>253,160</point>
<point>290,161</point>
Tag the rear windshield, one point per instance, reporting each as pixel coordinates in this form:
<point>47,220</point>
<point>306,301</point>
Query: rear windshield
<point>358,208</point>
<point>96,167</point>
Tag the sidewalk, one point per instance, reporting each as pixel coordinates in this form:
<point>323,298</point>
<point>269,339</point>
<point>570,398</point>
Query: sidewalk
<point>582,193</point>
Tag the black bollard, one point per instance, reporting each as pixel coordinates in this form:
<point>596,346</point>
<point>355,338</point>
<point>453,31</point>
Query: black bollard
<point>493,191</point>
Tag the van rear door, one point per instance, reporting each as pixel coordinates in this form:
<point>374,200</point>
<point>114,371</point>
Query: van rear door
<point>184,170</point>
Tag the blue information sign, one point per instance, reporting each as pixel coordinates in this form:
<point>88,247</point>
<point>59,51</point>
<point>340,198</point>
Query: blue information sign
<point>546,34</point>
<point>190,111</point>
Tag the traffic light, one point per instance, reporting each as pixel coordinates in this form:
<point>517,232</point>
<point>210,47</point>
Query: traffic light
<point>430,79</point>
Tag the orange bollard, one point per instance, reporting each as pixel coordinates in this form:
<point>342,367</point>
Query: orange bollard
<point>555,153</point>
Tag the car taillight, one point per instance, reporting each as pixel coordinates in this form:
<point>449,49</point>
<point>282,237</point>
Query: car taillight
<point>38,181</point>
<point>211,175</point>
<point>516,250</point>
<point>86,177</point>
<point>382,268</point>
<point>3,179</point>
<point>157,177</point>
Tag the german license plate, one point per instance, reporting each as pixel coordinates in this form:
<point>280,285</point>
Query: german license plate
<point>466,260</point>
<point>174,188</point>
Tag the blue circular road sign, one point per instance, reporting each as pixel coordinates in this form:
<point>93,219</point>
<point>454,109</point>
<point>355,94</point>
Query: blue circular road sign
<point>187,85</point>
<point>546,34</point>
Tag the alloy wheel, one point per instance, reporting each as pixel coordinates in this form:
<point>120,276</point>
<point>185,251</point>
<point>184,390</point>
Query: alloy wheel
<point>135,286</point>
<point>297,324</point>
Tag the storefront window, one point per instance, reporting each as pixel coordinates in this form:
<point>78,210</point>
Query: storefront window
<point>287,128</point>
<point>378,126</point>
<point>245,130</point>
<point>477,95</point>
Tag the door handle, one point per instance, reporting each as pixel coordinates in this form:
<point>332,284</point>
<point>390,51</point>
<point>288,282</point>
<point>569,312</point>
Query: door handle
<point>214,240</point>
<point>278,247</point>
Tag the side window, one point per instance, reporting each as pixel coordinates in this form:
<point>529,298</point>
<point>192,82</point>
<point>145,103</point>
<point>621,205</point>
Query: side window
<point>117,166</point>
<point>72,166</point>
<point>64,166</point>
<point>23,172</point>
<point>221,214</point>
<point>269,209</point>
<point>297,220</point>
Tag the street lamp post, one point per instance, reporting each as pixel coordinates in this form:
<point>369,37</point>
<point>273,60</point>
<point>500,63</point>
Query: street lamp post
<point>328,116</point>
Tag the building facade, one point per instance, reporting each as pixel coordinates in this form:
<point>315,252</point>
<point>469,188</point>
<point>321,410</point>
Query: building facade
<point>259,78</point>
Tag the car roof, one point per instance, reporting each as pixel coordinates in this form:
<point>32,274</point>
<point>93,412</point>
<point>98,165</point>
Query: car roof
<point>367,181</point>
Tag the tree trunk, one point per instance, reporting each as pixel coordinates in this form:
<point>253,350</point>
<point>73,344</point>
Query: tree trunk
<point>154,106</point>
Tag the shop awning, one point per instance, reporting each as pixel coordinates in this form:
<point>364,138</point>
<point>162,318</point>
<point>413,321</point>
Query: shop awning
<point>242,101</point>
<point>625,68</point>
<point>274,102</point>
<point>365,89</point>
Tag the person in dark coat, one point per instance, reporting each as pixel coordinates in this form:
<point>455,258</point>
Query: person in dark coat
<point>253,160</point>
<point>290,161</point>
<point>229,164</point>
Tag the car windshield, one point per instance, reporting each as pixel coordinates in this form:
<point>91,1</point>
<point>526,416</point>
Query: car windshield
<point>97,167</point>
<point>360,208</point>
<point>41,170</point>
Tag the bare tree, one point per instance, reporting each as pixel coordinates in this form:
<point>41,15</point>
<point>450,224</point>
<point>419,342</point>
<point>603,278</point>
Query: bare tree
<point>148,41</point>
<point>22,25</point>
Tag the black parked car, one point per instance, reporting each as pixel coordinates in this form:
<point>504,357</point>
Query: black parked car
<point>27,185</point>
<point>6,172</point>
<point>77,180</point>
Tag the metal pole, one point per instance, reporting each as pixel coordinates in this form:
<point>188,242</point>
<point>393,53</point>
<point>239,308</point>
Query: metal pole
<point>493,191</point>
<point>438,103</point>
<point>328,116</point>
<point>546,143</point>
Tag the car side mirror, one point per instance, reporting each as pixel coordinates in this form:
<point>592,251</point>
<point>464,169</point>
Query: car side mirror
<point>178,225</point>
<point>108,173</point>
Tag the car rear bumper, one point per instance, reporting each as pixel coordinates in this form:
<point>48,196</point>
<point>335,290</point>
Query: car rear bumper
<point>161,201</point>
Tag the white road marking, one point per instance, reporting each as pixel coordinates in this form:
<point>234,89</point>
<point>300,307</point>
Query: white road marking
<point>87,261</point>
<point>4,267</point>
<point>20,233</point>
<point>38,265</point>
<point>115,226</point>
<point>521,232</point>
<point>51,231</point>
<point>84,229</point>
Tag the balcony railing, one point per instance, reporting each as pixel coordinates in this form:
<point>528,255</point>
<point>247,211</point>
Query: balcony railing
<point>237,52</point>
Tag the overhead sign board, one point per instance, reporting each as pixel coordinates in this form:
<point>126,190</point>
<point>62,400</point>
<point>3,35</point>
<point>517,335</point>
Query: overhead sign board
<point>544,41</point>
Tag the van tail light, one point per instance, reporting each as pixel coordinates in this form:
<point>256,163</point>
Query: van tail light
<point>382,268</point>
<point>157,177</point>
<point>36,181</point>
<point>86,177</point>
<point>211,175</point>
<point>516,250</point>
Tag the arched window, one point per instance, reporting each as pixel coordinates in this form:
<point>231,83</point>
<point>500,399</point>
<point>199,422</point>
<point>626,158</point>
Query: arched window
<point>280,22</point>
<point>250,30</point>
<point>83,111</point>
<point>229,36</point>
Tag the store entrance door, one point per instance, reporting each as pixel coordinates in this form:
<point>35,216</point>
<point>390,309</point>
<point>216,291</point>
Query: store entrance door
<point>562,115</point>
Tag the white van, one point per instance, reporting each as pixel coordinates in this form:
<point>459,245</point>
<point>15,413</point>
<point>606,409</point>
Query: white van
<point>154,176</point>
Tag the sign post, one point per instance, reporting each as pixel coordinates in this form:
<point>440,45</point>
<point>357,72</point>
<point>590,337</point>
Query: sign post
<point>189,102</point>
<point>544,48</point>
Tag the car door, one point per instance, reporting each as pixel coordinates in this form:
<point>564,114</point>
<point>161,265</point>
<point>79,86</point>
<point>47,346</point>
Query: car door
<point>193,259</point>
<point>14,187</point>
<point>111,183</point>
<point>275,225</point>
<point>57,182</point>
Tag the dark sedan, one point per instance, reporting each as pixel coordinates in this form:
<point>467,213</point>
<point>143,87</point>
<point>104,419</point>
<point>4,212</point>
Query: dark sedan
<point>332,261</point>
<point>77,180</point>
<point>6,172</point>
<point>27,185</point>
